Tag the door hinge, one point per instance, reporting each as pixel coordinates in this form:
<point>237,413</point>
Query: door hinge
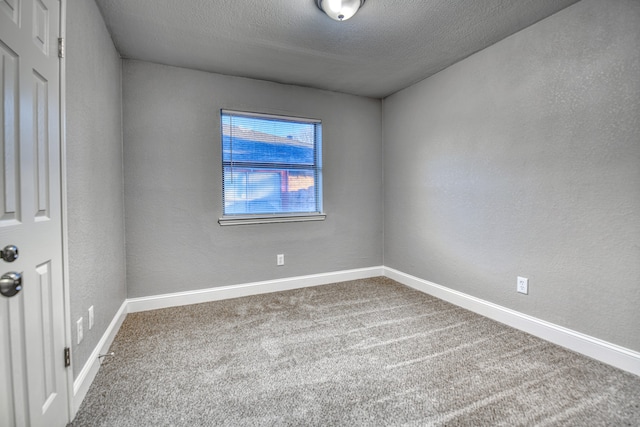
<point>60,48</point>
<point>67,357</point>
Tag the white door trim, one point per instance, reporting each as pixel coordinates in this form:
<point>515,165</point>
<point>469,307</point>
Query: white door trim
<point>68,337</point>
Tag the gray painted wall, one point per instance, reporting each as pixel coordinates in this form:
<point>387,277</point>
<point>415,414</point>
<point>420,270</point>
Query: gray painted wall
<point>173,194</point>
<point>520,160</point>
<point>94,175</point>
<point>524,159</point>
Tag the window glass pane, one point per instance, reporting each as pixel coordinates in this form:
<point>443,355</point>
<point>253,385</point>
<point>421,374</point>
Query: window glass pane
<point>269,191</point>
<point>267,141</point>
<point>270,165</point>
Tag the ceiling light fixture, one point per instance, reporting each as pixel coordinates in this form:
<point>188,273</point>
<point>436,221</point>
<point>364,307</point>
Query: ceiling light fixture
<point>339,10</point>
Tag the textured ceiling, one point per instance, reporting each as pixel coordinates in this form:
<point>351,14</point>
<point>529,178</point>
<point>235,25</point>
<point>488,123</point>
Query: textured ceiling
<point>387,46</point>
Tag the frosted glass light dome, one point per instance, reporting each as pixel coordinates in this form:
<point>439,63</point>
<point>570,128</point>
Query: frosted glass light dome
<point>340,10</point>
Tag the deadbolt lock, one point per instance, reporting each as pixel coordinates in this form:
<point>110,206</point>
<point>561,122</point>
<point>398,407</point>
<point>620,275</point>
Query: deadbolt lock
<point>9,253</point>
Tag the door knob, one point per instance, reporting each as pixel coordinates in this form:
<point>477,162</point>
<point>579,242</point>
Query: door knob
<point>10,284</point>
<point>9,253</point>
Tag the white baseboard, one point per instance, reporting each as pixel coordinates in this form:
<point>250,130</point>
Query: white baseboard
<point>603,351</point>
<point>243,290</point>
<point>595,348</point>
<point>90,369</point>
<point>85,378</point>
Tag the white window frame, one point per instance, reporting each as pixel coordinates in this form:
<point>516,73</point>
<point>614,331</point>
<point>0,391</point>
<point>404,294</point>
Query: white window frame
<point>247,219</point>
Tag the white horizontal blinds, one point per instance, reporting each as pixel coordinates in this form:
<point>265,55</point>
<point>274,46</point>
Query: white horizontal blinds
<point>271,164</point>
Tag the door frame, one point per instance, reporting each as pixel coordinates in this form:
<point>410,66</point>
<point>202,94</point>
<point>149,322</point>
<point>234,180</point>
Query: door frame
<point>68,336</point>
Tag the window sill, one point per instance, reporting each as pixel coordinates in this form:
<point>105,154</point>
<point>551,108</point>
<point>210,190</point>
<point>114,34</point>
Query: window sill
<point>268,219</point>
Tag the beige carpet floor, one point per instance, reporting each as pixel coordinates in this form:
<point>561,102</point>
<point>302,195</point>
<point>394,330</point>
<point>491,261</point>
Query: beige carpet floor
<point>367,352</point>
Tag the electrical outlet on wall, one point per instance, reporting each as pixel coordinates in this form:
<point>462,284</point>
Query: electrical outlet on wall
<point>90,317</point>
<point>523,285</point>
<point>280,259</point>
<point>79,329</point>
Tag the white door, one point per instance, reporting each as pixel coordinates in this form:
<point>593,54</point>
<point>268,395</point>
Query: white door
<point>33,384</point>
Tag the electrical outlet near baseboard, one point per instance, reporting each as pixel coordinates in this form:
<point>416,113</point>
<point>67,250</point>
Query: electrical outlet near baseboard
<point>523,285</point>
<point>280,259</point>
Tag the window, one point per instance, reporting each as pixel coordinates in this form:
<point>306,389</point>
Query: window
<point>271,168</point>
